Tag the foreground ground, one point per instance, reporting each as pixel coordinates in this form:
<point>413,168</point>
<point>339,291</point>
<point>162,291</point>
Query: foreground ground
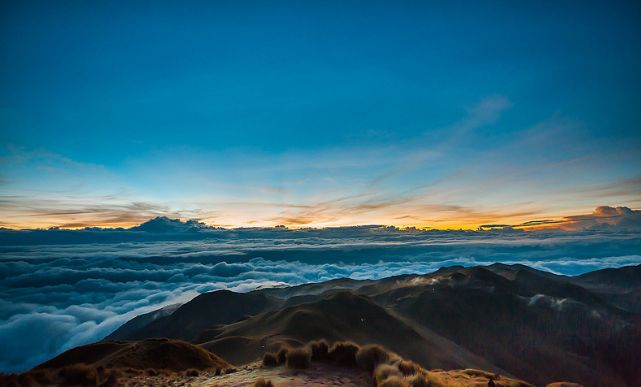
<point>318,374</point>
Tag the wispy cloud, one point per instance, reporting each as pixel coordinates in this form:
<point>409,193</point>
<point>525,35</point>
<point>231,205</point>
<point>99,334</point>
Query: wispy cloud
<point>445,178</point>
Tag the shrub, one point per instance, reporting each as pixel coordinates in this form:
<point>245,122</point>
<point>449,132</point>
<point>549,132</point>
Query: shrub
<point>78,374</point>
<point>230,370</point>
<point>270,360</point>
<point>282,355</point>
<point>320,350</point>
<point>218,372</point>
<point>370,356</point>
<point>344,353</point>
<point>299,358</point>
<point>393,381</point>
<point>263,383</point>
<point>384,371</point>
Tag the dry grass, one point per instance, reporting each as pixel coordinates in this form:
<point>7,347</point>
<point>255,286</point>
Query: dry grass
<point>319,349</point>
<point>370,356</point>
<point>408,367</point>
<point>344,353</point>
<point>270,360</point>
<point>282,355</point>
<point>384,371</point>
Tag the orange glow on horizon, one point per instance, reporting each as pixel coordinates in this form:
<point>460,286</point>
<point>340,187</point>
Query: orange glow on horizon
<point>75,224</point>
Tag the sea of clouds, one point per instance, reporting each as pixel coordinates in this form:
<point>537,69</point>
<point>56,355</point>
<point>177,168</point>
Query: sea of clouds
<point>76,290</point>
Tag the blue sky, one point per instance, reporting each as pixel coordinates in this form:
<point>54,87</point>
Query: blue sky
<point>318,113</point>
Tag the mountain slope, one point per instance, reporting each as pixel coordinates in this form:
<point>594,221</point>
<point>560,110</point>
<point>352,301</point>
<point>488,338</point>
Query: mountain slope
<point>621,287</point>
<point>151,353</point>
<point>343,316</point>
<point>205,311</point>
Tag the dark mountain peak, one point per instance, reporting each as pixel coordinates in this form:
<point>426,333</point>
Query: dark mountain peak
<point>449,269</point>
<point>510,267</point>
<point>621,277</point>
<point>205,311</point>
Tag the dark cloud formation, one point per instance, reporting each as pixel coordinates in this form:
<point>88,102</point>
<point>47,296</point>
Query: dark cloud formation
<point>606,217</point>
<point>61,288</point>
<point>602,218</point>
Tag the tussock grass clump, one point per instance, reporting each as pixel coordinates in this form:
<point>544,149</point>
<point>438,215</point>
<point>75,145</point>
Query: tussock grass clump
<point>387,369</point>
<point>319,349</point>
<point>344,353</point>
<point>263,383</point>
<point>192,372</point>
<point>408,367</point>
<point>270,360</point>
<point>282,355</point>
<point>384,371</point>
<point>299,358</point>
<point>370,356</point>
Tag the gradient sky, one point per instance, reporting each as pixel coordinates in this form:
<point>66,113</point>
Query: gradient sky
<point>317,113</point>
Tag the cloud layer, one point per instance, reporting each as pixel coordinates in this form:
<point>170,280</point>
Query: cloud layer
<point>54,297</point>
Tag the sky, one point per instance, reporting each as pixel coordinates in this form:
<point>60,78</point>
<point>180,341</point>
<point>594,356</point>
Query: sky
<point>501,115</point>
<point>313,114</point>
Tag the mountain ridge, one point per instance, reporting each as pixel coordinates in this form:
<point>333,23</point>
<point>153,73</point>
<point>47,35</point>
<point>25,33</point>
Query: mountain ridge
<point>488,317</point>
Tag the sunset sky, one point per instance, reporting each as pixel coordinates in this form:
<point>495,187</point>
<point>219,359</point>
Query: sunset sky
<point>317,113</point>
